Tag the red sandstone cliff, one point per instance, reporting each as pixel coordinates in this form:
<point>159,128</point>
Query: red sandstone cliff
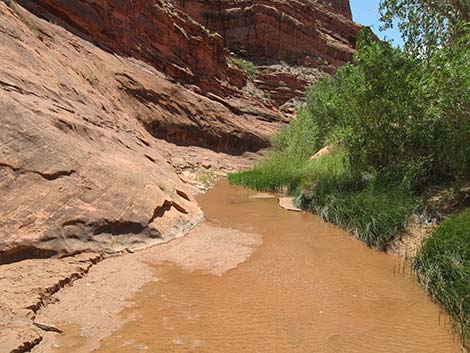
<point>299,32</point>
<point>154,32</point>
<point>341,6</point>
<point>312,37</point>
<point>83,160</point>
<point>97,99</point>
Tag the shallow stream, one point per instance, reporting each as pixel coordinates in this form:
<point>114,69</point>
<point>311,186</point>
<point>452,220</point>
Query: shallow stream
<point>310,287</point>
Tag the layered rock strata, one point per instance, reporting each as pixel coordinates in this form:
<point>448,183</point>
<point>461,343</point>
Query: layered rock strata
<point>308,33</point>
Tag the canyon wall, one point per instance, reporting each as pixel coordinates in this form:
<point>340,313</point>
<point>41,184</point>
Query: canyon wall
<point>113,113</point>
<point>341,6</point>
<point>307,33</point>
<point>84,165</point>
<point>103,104</point>
<point>154,32</point>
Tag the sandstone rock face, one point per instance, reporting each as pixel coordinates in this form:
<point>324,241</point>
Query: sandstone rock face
<point>281,86</point>
<point>29,285</point>
<point>83,166</point>
<point>104,105</point>
<point>342,6</point>
<point>308,33</point>
<point>153,31</point>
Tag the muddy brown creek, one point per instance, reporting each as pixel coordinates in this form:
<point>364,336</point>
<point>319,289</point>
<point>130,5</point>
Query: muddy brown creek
<point>307,287</point>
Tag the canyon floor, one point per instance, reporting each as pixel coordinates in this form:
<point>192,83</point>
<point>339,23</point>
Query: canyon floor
<point>38,292</point>
<point>116,119</point>
<point>90,309</point>
<point>234,284</point>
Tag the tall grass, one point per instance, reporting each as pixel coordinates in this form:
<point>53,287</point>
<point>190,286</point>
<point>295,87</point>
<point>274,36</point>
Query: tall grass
<point>274,174</point>
<point>375,214</point>
<point>373,210</point>
<point>284,170</point>
<point>443,268</point>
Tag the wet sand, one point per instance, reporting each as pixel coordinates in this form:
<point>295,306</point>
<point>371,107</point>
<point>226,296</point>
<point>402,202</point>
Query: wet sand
<point>89,310</point>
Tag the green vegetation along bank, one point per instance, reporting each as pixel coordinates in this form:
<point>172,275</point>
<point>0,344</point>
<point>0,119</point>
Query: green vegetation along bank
<point>397,126</point>
<point>443,267</point>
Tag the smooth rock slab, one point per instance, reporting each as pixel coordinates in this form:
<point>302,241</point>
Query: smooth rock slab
<point>288,204</point>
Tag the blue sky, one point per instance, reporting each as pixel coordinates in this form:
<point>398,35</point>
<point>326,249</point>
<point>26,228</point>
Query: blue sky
<point>366,12</point>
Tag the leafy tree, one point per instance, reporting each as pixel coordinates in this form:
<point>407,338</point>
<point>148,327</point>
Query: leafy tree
<point>393,113</point>
<point>426,25</point>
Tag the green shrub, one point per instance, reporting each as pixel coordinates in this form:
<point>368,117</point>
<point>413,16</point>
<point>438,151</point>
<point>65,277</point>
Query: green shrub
<point>284,170</point>
<point>247,66</point>
<point>301,138</point>
<point>401,124</point>
<point>393,112</point>
<point>443,268</point>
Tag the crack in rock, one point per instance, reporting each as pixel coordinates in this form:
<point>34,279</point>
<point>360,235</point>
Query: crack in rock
<point>48,176</point>
<point>27,346</point>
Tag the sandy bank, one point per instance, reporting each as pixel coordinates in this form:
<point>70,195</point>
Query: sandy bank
<point>89,305</point>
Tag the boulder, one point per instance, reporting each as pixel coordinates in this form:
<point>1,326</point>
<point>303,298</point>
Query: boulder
<point>324,151</point>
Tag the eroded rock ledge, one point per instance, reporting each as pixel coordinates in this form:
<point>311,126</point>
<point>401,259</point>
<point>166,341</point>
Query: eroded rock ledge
<point>28,286</point>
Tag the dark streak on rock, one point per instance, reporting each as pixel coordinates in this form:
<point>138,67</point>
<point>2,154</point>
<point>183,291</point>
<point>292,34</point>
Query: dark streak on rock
<point>137,90</point>
<point>47,176</point>
<point>23,253</point>
<point>183,195</point>
<point>117,227</point>
<point>150,158</point>
<point>160,211</point>
<point>27,346</point>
